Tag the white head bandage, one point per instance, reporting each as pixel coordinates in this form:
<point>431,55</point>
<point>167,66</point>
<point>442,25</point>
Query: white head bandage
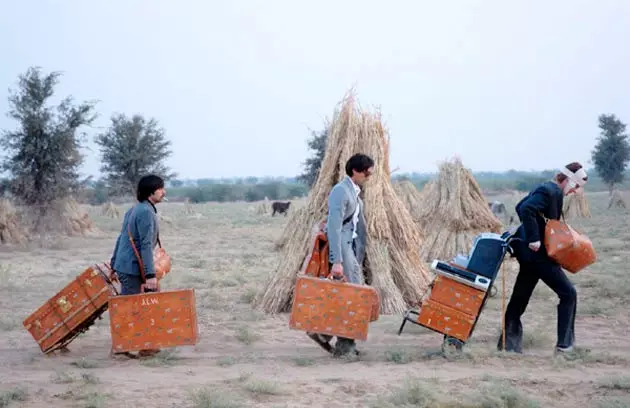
<point>577,179</point>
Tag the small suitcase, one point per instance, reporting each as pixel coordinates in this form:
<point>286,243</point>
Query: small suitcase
<point>332,307</point>
<point>72,310</point>
<point>456,295</point>
<point>446,320</point>
<point>571,250</point>
<point>153,320</point>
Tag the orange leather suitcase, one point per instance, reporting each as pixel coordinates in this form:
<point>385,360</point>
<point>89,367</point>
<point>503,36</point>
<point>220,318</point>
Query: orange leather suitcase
<point>445,319</point>
<point>334,308</point>
<point>571,250</point>
<point>153,320</point>
<point>457,295</point>
<point>72,310</point>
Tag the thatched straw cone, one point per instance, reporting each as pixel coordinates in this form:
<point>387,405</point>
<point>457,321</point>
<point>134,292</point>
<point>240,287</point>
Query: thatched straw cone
<point>393,265</point>
<point>188,208</point>
<point>110,210</point>
<point>11,231</point>
<point>410,196</point>
<point>576,206</point>
<point>76,221</point>
<point>263,207</point>
<point>453,211</point>
<point>616,200</point>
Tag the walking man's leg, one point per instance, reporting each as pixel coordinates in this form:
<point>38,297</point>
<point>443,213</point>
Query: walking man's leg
<point>523,288</point>
<point>557,280</point>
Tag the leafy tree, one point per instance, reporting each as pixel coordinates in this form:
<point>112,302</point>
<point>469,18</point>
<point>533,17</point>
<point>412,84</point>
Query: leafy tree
<point>612,151</point>
<point>131,148</point>
<point>43,155</point>
<point>312,165</point>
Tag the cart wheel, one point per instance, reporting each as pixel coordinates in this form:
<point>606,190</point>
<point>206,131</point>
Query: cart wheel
<point>452,344</point>
<point>493,292</point>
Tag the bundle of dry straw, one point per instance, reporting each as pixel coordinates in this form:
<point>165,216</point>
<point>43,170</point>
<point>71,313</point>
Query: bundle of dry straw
<point>410,196</point>
<point>393,264</point>
<point>11,230</point>
<point>76,221</point>
<point>263,207</point>
<point>616,200</point>
<point>110,210</point>
<point>453,211</point>
<point>576,206</point>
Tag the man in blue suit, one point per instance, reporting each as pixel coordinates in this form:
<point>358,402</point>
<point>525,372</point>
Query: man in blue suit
<point>142,222</point>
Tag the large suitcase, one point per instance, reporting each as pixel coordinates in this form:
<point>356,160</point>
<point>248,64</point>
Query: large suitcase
<point>72,310</point>
<point>334,308</point>
<point>456,295</point>
<point>447,320</point>
<point>153,320</point>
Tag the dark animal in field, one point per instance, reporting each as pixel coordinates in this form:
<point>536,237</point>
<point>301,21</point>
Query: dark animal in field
<point>499,210</point>
<point>280,208</point>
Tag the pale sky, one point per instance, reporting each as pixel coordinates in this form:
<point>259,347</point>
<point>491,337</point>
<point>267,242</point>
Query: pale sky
<point>238,84</point>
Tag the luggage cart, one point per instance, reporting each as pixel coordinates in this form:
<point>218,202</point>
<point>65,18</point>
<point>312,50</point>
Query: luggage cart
<point>463,291</point>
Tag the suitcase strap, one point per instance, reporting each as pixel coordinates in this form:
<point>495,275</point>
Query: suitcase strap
<point>135,250</point>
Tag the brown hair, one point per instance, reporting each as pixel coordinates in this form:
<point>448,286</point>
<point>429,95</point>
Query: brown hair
<point>575,166</point>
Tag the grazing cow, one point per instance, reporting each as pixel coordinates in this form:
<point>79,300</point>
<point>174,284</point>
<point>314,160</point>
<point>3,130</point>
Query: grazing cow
<point>280,208</point>
<point>498,209</point>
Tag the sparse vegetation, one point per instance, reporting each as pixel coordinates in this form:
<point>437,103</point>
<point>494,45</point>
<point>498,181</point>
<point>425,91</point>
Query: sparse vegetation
<point>9,396</point>
<point>211,398</point>
<point>130,148</point>
<point>42,156</point>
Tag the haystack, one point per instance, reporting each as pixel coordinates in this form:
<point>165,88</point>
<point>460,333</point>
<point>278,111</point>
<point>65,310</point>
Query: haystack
<point>110,210</point>
<point>453,211</point>
<point>188,208</point>
<point>576,206</point>
<point>263,207</point>
<point>76,221</point>
<point>11,230</point>
<point>616,200</point>
<point>393,264</point>
<point>410,196</point>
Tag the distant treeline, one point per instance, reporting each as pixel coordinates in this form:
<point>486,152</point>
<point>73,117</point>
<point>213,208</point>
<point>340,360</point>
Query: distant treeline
<point>254,189</point>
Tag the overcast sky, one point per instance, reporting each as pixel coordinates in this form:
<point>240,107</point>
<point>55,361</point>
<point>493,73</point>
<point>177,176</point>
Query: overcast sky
<point>237,84</point>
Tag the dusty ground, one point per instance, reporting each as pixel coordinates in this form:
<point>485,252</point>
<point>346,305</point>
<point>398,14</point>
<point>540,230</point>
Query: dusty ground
<point>244,358</point>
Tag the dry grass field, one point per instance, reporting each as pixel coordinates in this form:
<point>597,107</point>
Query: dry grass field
<point>245,358</point>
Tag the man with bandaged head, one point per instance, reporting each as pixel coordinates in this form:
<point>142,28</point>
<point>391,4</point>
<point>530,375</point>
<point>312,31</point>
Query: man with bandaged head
<point>546,200</point>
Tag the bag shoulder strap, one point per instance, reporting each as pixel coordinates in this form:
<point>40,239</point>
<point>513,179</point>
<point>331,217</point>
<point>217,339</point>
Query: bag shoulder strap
<point>561,209</point>
<point>133,246</point>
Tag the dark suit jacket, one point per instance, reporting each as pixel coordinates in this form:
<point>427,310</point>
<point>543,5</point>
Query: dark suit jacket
<point>547,199</point>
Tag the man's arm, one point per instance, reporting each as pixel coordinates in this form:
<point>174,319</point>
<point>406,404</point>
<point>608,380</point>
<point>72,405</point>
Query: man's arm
<point>535,204</point>
<point>336,202</point>
<point>146,226</point>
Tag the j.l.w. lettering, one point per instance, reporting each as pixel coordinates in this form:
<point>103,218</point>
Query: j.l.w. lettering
<point>149,301</point>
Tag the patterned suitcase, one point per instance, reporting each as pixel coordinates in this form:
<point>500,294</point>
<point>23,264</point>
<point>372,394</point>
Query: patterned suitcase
<point>457,295</point>
<point>72,310</point>
<point>572,250</point>
<point>334,308</point>
<point>153,320</point>
<point>446,320</point>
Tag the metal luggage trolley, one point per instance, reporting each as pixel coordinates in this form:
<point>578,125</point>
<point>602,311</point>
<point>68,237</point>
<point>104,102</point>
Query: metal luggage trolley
<point>460,290</point>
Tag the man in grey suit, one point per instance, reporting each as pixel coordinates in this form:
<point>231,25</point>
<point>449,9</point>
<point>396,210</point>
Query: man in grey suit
<point>346,231</point>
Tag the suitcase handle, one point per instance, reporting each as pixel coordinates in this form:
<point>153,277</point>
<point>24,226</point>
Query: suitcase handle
<point>335,278</point>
